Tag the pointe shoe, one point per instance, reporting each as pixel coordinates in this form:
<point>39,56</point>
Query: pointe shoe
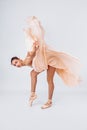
<point>32,98</point>
<point>47,104</point>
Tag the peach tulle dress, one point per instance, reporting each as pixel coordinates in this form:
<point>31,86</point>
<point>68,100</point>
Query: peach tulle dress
<point>67,66</point>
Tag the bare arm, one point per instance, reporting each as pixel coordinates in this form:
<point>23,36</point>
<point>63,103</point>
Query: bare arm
<point>31,55</point>
<point>33,52</point>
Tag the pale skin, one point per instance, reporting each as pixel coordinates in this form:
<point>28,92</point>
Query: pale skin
<point>34,74</point>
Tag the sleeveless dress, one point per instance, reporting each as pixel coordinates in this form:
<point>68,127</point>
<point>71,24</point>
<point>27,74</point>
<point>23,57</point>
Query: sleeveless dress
<point>67,66</point>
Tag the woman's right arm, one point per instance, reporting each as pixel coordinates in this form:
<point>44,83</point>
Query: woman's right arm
<point>31,55</point>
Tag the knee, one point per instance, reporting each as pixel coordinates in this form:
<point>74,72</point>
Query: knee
<point>33,74</point>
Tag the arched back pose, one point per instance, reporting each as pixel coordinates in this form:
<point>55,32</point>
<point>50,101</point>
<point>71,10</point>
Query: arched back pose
<point>40,57</point>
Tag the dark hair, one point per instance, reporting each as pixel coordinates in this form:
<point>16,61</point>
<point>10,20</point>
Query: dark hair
<point>13,58</point>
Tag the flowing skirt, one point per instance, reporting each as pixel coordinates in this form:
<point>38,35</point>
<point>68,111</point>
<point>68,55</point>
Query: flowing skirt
<point>67,66</point>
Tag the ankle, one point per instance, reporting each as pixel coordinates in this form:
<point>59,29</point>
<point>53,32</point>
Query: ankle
<point>32,93</point>
<point>50,100</point>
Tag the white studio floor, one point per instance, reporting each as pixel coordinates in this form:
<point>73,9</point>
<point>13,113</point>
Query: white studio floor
<point>69,112</point>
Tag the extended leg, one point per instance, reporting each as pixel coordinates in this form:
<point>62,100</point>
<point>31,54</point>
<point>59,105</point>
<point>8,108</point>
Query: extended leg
<point>33,96</point>
<point>50,75</point>
<point>33,80</point>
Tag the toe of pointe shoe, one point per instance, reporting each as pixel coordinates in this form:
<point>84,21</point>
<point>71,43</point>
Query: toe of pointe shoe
<point>30,103</point>
<point>46,106</point>
<point>32,99</point>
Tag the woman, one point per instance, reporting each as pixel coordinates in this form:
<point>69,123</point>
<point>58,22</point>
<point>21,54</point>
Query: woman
<point>40,57</point>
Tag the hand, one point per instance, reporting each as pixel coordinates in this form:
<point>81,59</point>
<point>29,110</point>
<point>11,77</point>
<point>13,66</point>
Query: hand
<point>35,45</point>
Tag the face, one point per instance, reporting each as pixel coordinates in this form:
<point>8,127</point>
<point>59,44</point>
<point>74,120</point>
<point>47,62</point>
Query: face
<point>17,62</point>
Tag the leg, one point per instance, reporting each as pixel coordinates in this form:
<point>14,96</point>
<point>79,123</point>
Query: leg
<point>33,80</point>
<point>33,96</point>
<point>50,75</point>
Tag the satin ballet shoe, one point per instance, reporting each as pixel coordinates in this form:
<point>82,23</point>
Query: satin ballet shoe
<point>47,104</point>
<point>32,98</point>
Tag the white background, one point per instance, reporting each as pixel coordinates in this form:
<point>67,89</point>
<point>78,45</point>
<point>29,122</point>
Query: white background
<point>65,23</point>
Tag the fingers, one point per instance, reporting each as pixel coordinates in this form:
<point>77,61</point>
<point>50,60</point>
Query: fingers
<point>36,44</point>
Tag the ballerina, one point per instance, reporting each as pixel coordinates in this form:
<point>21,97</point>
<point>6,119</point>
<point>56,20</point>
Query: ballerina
<point>40,57</point>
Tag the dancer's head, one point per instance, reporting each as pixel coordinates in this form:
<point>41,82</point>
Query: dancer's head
<point>15,61</point>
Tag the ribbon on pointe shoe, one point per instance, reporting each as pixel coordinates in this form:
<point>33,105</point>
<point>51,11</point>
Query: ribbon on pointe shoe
<point>47,104</point>
<point>33,96</point>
